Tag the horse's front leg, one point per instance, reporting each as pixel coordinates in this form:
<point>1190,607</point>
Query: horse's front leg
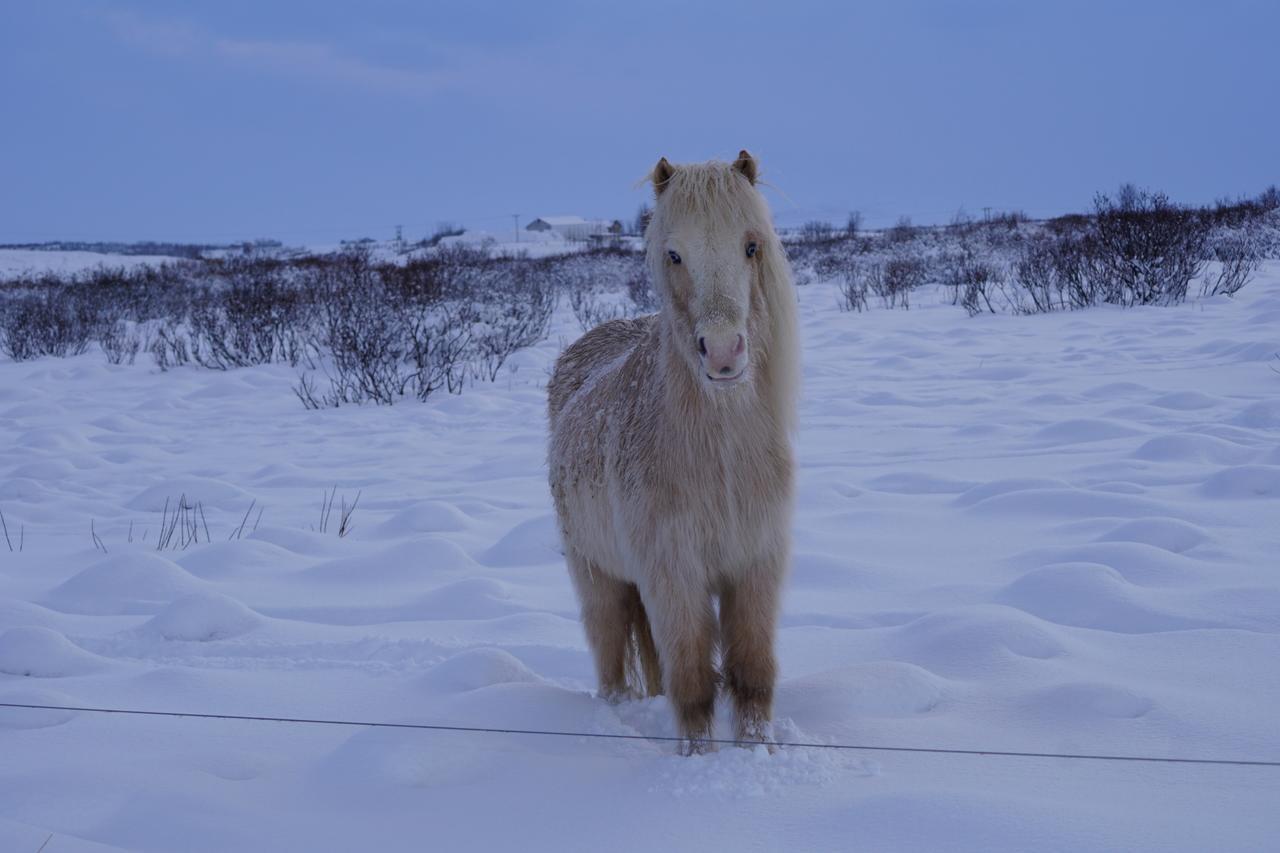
<point>748,623</point>
<point>683,620</point>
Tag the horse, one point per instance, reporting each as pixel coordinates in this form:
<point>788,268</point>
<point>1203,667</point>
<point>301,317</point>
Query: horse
<point>670,459</point>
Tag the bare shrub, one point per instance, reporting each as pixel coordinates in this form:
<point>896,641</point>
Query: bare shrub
<point>252,314</point>
<point>902,232</point>
<point>363,336</point>
<point>976,281</point>
<point>1147,248</point>
<point>1037,274</point>
<point>832,260</point>
<point>1238,252</point>
<point>1009,220</point>
<point>817,231</point>
<point>376,346</point>
<point>169,346</point>
<point>854,285</point>
<point>419,280</point>
<point>591,308</point>
<point>58,321</point>
<point>144,292</point>
<point>120,342</point>
<point>604,285</point>
<point>1059,270</point>
<point>513,315</point>
<point>895,278</point>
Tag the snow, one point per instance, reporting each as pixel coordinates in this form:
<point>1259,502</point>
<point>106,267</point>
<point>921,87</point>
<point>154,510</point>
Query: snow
<point>18,261</point>
<point>1050,533</point>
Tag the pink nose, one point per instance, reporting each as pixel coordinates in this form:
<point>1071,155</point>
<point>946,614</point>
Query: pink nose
<point>723,355</point>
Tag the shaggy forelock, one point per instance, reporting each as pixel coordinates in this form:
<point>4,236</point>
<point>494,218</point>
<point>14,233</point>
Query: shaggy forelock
<point>712,193</point>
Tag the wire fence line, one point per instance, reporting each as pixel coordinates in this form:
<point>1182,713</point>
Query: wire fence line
<point>439,727</point>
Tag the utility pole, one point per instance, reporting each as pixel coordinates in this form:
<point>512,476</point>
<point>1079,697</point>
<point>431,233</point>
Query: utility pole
<point>986,214</point>
<point>399,236</point>
<point>515,217</point>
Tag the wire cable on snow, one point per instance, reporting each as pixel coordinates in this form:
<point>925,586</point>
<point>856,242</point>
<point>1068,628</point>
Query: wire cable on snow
<point>996,753</point>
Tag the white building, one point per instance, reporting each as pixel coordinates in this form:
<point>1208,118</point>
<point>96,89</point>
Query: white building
<point>571,227</point>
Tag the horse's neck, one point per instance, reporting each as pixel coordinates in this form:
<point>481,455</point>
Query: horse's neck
<point>686,406</point>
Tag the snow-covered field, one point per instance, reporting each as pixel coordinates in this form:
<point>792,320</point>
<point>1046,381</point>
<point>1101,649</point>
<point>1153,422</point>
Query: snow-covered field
<point>1053,533</point>
<point>534,244</point>
<point>15,262</point>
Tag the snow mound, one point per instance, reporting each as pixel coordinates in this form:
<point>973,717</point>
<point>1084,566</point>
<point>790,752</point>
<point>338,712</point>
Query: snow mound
<point>1092,595</point>
<point>474,669</point>
<point>1185,401</point>
<point>139,583</point>
<point>201,617</point>
<point>1167,533</point>
<point>1084,429</point>
<point>35,718</point>
<point>1068,503</point>
<point>879,689</point>
<point>395,758</point>
<point>470,598</point>
<point>425,517</point>
<point>1245,481</point>
<point>240,558</point>
<point>917,483</point>
<point>1003,487</point>
<point>410,561</point>
<point>1261,415</point>
<point>531,542</point>
<point>55,439</point>
<point>203,490</point>
<point>974,640</point>
<point>44,653</point>
<point>1193,447</point>
<point>302,542</point>
<point>1081,704</point>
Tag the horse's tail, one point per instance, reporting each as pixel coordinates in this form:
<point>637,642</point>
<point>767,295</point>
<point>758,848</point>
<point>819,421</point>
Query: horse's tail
<point>644,672</point>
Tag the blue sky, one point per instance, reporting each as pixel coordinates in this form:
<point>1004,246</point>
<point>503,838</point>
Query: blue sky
<point>316,121</point>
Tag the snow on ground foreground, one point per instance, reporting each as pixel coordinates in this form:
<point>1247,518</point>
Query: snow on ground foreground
<point>1050,533</point>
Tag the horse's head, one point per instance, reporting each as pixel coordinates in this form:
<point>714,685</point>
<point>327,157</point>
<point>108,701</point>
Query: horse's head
<point>708,238</point>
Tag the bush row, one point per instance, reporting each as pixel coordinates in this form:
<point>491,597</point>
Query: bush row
<point>1136,248</point>
<point>359,330</point>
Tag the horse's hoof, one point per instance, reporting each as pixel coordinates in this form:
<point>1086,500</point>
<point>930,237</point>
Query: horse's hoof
<point>695,746</point>
<point>756,733</point>
<point>618,695</point>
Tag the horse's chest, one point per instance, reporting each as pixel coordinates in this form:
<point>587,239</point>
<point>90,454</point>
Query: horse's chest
<point>732,502</point>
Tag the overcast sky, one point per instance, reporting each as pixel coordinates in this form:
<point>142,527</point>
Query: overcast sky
<point>314,121</point>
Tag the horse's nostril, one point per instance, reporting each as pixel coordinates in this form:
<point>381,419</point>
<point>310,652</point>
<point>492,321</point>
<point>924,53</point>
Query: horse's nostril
<point>742,344</point>
<point>702,346</point>
<point>725,371</point>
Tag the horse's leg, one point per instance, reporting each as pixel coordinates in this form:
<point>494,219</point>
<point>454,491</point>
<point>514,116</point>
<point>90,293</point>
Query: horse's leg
<point>748,621</point>
<point>649,670</point>
<point>606,604</point>
<point>684,627</point>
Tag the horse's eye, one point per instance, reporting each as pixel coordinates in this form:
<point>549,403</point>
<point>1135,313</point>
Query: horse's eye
<point>751,250</point>
<point>674,256</point>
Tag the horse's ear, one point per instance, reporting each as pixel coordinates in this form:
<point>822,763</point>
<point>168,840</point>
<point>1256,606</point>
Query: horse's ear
<point>660,175</point>
<point>745,165</point>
